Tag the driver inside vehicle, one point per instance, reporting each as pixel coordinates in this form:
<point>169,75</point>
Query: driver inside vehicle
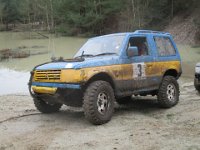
<point>141,44</point>
<point>142,49</point>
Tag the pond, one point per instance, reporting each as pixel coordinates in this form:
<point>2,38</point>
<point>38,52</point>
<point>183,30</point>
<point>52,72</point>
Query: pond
<point>35,43</point>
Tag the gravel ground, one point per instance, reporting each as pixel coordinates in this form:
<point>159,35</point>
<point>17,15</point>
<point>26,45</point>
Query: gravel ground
<point>140,125</point>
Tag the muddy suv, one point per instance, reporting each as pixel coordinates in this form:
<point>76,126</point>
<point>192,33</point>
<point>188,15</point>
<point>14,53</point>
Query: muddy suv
<point>197,77</point>
<point>107,69</point>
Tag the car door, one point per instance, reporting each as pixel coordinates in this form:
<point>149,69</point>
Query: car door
<point>138,73</point>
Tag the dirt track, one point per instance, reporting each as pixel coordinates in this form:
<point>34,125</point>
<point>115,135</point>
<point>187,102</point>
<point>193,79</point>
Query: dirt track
<point>141,125</point>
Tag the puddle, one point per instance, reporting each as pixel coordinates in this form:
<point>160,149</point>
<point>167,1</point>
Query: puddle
<point>40,49</point>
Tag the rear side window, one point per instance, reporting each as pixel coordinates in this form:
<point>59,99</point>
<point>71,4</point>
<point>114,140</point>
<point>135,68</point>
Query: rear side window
<point>164,46</point>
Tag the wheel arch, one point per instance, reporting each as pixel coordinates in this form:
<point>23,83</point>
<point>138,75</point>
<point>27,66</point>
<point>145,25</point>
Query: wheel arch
<point>101,76</point>
<point>171,72</point>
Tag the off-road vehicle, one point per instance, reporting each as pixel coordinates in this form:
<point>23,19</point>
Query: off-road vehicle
<point>197,77</point>
<point>110,68</point>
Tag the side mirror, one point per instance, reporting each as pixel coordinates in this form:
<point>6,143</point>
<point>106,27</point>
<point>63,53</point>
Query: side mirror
<point>132,51</point>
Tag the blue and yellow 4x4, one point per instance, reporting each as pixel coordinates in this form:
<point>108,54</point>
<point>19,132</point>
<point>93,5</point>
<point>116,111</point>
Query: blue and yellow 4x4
<point>107,69</point>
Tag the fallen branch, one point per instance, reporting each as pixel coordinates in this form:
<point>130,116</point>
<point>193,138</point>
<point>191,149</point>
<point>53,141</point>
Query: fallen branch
<point>42,35</point>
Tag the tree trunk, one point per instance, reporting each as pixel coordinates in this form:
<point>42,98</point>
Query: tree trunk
<point>7,26</point>
<point>47,19</point>
<point>139,19</point>
<point>133,13</point>
<point>101,22</point>
<point>172,9</point>
<point>1,20</point>
<point>52,16</point>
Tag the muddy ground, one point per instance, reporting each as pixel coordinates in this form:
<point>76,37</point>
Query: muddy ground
<point>141,125</point>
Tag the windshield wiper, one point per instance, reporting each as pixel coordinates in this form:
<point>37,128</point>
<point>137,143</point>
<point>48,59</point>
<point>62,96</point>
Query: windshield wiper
<point>85,55</point>
<point>90,55</point>
<point>106,54</point>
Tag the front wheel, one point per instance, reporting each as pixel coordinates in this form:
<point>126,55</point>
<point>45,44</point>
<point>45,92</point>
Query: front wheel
<point>98,103</point>
<point>44,107</point>
<point>168,94</point>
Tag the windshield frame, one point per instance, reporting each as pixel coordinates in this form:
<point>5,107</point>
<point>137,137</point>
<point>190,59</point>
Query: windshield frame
<point>81,51</point>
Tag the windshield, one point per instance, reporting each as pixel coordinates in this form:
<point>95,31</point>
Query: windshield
<point>105,45</point>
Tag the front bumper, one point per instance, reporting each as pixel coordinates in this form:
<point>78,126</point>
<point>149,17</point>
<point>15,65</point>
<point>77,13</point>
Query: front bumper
<point>57,85</point>
<point>44,90</point>
<point>51,88</point>
<point>69,94</point>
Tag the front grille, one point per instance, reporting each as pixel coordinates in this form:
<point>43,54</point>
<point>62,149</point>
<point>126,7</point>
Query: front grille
<point>47,75</point>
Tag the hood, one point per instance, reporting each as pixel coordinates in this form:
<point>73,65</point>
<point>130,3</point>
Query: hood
<point>87,62</point>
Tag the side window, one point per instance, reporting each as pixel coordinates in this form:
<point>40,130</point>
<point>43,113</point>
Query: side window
<point>141,44</point>
<point>164,46</point>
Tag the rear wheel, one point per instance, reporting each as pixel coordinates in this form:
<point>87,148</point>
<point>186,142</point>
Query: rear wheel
<point>45,107</point>
<point>197,87</point>
<point>168,94</point>
<point>98,102</point>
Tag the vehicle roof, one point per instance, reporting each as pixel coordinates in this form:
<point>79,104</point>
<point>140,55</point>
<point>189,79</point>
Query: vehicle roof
<point>138,32</point>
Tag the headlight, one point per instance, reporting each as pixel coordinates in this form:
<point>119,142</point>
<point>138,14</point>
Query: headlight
<point>197,70</point>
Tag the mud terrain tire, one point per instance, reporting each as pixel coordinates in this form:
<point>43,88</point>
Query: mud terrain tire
<point>197,87</point>
<point>44,107</point>
<point>98,103</point>
<point>168,94</point>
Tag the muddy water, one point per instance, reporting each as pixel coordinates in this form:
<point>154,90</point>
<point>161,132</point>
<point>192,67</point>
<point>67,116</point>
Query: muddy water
<point>55,46</point>
<point>14,73</point>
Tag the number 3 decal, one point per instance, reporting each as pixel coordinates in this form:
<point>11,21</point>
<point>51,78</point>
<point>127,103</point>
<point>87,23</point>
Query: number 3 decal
<point>139,70</point>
